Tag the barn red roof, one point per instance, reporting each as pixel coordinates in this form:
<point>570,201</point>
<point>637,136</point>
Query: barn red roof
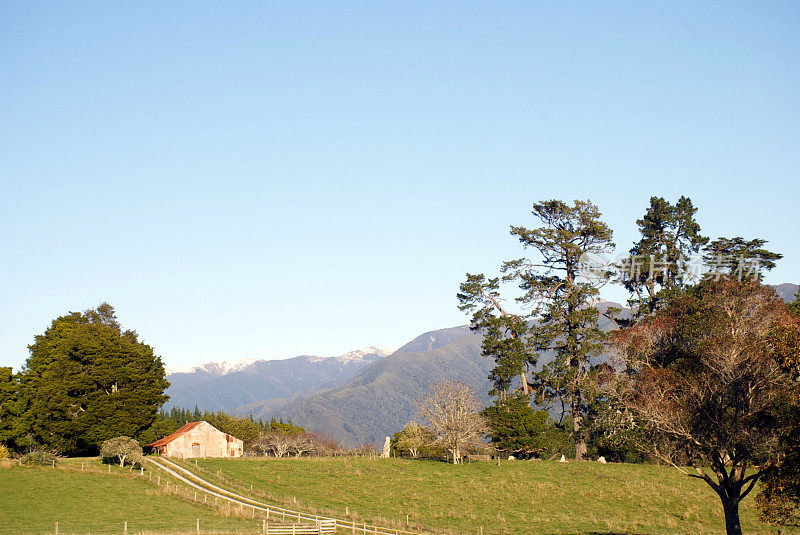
<point>169,438</point>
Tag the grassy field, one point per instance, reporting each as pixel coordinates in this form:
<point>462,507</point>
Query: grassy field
<point>513,498</point>
<point>32,500</point>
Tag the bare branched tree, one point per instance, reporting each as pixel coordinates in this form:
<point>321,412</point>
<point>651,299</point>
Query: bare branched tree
<point>300,443</point>
<point>452,412</point>
<point>277,443</point>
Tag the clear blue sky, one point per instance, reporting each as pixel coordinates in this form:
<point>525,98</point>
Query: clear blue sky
<point>251,180</point>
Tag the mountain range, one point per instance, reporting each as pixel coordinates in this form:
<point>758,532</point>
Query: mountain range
<point>226,386</point>
<point>357,398</point>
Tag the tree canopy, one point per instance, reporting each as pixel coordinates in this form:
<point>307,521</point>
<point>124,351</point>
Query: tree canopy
<point>658,262</point>
<point>706,379</point>
<point>558,313</point>
<point>88,380</point>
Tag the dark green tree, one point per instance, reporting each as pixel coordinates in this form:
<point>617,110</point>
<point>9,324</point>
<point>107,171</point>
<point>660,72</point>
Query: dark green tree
<point>9,409</point>
<point>563,301</point>
<point>739,258</point>
<point>162,426</point>
<point>514,427</point>
<point>658,264</point>
<point>87,380</point>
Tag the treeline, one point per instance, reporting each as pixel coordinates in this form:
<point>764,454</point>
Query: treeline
<point>245,428</point>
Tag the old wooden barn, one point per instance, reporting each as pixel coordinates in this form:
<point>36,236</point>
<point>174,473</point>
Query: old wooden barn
<point>198,439</point>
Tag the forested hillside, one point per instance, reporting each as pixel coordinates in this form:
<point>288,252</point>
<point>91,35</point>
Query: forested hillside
<point>216,387</point>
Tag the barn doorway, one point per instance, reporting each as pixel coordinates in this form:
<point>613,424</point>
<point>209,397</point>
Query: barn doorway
<point>195,450</point>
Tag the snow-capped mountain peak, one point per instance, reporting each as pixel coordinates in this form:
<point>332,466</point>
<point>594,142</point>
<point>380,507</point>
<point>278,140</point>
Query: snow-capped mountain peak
<point>225,367</point>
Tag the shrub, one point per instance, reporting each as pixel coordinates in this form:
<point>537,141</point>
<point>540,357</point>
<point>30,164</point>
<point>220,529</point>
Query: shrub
<point>38,457</point>
<point>4,453</point>
<point>122,450</point>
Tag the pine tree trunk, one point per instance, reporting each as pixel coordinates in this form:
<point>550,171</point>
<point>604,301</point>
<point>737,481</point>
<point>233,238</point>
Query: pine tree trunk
<point>577,427</point>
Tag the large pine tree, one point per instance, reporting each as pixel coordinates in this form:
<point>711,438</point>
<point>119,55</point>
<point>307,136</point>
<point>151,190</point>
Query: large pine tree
<point>86,381</point>
<point>558,313</point>
<point>659,263</point>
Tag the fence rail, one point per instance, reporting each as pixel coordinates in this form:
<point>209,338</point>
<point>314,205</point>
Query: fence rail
<point>299,529</point>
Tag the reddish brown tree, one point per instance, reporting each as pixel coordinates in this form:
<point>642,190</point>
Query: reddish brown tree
<point>705,379</point>
<point>779,499</point>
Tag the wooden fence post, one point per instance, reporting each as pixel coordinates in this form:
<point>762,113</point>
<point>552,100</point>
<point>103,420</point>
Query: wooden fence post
<point>198,525</point>
<point>56,528</point>
<point>125,529</point>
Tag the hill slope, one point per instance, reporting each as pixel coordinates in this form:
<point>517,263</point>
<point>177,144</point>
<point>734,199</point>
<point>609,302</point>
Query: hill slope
<point>223,387</point>
<point>786,291</point>
<point>380,400</point>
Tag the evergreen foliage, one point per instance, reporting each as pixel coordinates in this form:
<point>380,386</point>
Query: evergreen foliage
<point>245,428</point>
<point>9,407</point>
<point>87,380</point>
<point>657,263</point>
<point>561,316</point>
<point>739,257</point>
<point>515,428</point>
